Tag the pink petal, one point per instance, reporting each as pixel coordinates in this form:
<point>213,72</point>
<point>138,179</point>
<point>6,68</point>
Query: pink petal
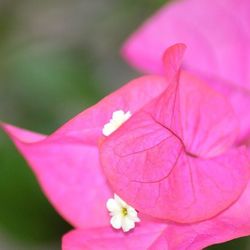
<point>232,223</point>
<point>69,173</point>
<point>240,101</point>
<point>216,33</point>
<point>66,163</point>
<point>171,159</point>
<point>144,236</point>
<point>209,125</point>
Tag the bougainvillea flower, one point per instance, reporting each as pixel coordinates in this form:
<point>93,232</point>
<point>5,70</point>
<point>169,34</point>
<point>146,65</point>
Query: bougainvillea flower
<point>165,146</point>
<point>181,137</point>
<point>218,37</point>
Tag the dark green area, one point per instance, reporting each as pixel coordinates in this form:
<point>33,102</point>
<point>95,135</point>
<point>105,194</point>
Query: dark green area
<point>241,244</point>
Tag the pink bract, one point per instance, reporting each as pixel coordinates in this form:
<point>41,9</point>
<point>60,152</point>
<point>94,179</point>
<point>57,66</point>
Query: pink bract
<point>185,142</point>
<point>172,158</point>
<point>216,33</point>
<point>218,38</point>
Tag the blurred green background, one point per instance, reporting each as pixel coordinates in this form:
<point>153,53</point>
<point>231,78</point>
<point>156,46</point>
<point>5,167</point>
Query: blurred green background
<point>56,58</point>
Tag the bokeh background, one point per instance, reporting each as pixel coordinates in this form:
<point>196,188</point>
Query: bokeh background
<point>56,58</point>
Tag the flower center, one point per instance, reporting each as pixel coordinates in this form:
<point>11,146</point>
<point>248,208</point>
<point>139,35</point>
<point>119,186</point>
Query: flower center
<point>118,118</point>
<point>124,211</point>
<point>122,215</point>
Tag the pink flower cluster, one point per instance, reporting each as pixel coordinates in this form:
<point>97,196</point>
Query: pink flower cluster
<point>177,150</point>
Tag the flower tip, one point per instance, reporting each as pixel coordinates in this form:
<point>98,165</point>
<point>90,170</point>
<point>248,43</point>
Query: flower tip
<point>174,53</point>
<point>172,59</point>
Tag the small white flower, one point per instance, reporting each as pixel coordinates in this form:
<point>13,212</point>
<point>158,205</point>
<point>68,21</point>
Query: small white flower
<point>118,118</point>
<point>123,216</point>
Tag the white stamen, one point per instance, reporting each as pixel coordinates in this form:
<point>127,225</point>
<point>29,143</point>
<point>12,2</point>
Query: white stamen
<point>118,118</point>
<point>123,216</point>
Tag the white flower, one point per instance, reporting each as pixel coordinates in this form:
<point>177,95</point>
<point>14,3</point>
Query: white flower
<point>123,215</point>
<point>118,118</point>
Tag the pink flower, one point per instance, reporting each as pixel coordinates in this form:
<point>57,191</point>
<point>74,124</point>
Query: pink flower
<point>218,37</point>
<point>169,155</point>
